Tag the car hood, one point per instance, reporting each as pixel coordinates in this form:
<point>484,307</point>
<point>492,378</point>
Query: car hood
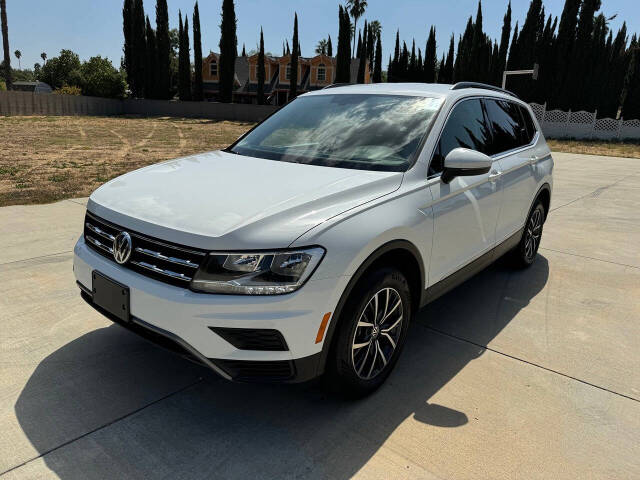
<point>220,200</point>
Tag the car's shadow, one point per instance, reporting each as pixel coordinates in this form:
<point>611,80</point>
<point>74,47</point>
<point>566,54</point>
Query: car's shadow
<point>215,429</point>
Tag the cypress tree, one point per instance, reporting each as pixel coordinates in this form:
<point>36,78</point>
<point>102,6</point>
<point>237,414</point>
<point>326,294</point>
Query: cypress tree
<point>630,98</point>
<point>476,68</point>
<point>329,47</point>
<point>440,69</point>
<point>139,50</point>
<point>564,46</point>
<point>403,64</point>
<point>462,66</point>
<point>198,94</point>
<point>359,48</point>
<point>371,47</point>
<point>420,64</point>
<point>127,30</point>
<point>293,81</point>
<point>151,71</point>
<point>163,47</point>
<point>412,72</point>
<point>244,51</point>
<point>362,64</point>
<point>228,50</point>
<point>392,71</point>
<point>343,60</point>
<point>504,46</point>
<point>261,73</point>
<point>430,58</point>
<point>511,62</point>
<point>377,70</point>
<point>184,63</point>
<point>618,65</point>
<point>446,71</point>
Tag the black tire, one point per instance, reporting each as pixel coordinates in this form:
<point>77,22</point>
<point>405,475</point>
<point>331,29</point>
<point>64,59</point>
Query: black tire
<point>525,253</point>
<point>345,372</point>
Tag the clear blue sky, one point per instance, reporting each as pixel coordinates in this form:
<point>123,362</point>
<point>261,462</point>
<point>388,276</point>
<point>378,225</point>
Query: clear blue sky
<point>94,27</point>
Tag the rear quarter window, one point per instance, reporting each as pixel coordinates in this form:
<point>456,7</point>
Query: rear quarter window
<point>528,123</point>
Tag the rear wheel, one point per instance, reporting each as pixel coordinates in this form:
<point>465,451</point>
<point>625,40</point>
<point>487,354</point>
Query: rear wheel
<point>371,333</point>
<point>525,253</point>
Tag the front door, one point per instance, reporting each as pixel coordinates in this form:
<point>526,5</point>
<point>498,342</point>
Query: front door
<point>465,210</point>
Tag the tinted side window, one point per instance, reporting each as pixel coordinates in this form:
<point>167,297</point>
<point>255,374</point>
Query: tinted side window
<point>528,123</point>
<point>465,128</point>
<point>507,126</point>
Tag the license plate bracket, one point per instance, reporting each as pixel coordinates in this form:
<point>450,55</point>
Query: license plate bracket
<point>111,296</point>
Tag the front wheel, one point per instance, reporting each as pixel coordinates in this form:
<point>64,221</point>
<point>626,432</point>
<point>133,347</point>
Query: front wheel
<point>371,333</point>
<point>525,253</point>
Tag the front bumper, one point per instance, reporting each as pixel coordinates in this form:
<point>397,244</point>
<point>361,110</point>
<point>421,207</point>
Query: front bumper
<point>182,320</point>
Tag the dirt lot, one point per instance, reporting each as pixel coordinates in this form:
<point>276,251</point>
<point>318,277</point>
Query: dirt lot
<point>50,158</point>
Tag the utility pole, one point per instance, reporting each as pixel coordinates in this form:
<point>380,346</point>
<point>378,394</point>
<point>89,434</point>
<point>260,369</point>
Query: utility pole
<point>533,73</point>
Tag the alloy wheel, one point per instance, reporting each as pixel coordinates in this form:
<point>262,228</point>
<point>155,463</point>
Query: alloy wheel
<point>377,333</point>
<point>533,234</point>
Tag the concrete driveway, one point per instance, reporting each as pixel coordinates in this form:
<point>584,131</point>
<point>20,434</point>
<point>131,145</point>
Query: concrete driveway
<point>529,374</point>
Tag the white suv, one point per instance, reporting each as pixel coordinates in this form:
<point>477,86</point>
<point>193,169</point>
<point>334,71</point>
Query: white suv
<point>306,247</point>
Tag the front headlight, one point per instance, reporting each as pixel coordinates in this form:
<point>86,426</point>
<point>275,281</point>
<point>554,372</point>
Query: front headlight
<point>256,273</point>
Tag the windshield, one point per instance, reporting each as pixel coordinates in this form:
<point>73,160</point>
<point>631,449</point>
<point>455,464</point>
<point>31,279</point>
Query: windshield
<point>368,132</point>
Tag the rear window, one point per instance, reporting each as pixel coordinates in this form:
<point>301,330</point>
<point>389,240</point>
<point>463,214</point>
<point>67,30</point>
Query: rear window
<point>528,123</point>
<point>508,130</point>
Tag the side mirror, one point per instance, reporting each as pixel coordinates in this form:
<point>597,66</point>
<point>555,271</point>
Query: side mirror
<point>462,162</point>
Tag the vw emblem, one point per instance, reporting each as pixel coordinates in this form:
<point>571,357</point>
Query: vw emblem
<point>122,247</point>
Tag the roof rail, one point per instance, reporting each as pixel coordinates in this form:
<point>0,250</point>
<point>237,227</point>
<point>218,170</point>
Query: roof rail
<point>336,85</point>
<point>484,86</point>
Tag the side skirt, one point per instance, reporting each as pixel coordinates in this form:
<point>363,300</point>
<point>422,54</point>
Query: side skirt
<point>446,284</point>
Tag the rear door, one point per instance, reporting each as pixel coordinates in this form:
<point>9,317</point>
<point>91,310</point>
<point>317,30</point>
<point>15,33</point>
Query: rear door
<point>512,146</point>
<point>465,210</point>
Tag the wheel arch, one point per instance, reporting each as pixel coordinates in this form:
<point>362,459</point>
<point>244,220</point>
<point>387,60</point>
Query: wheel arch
<point>544,195</point>
<point>401,254</point>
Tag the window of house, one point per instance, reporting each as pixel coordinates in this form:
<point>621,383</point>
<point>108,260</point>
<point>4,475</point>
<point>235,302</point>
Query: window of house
<point>213,68</point>
<point>322,73</point>
<point>287,72</point>
<point>465,128</point>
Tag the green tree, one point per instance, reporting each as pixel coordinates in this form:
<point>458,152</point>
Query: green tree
<point>127,31</point>
<point>151,63</point>
<point>617,66</point>
<point>43,55</point>
<point>5,44</point>
<point>198,88</point>
<point>362,64</point>
<point>394,62</point>
<point>293,79</point>
<point>343,60</point>
<point>377,70</point>
<point>446,71</point>
<point>99,78</point>
<point>18,55</point>
<point>430,58</point>
<point>228,50</point>
<point>321,47</point>
<point>61,70</point>
<point>137,67</point>
<point>371,47</point>
<point>184,61</point>
<point>564,47</point>
<point>476,62</point>
<point>329,47</point>
<point>630,98</point>
<point>163,47</point>
<point>504,46</point>
<point>261,71</point>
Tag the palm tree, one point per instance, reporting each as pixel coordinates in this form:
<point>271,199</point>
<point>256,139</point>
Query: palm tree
<point>321,47</point>
<point>18,54</point>
<point>5,43</point>
<point>376,28</point>
<point>356,9</point>
<point>43,55</point>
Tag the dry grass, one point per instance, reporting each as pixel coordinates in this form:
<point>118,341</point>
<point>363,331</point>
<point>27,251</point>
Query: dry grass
<point>43,159</point>
<point>596,147</point>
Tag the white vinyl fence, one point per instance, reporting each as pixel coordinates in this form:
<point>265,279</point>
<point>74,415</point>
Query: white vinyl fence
<point>584,125</point>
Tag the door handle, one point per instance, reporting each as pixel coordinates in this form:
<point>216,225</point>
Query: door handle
<point>494,175</point>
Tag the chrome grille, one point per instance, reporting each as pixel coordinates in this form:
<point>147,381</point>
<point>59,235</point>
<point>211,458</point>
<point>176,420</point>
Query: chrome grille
<point>163,261</point>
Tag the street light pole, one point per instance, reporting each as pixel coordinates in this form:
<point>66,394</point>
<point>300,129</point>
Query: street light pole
<point>533,73</point>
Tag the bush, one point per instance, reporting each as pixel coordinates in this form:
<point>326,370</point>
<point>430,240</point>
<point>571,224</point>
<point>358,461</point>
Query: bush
<point>68,90</point>
<point>99,78</point>
<point>3,86</point>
